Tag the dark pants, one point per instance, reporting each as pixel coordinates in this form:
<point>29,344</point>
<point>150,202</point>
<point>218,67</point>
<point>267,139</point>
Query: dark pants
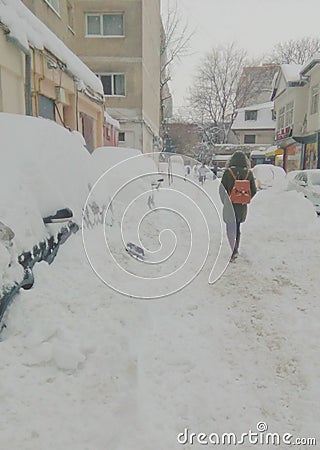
<point>233,233</point>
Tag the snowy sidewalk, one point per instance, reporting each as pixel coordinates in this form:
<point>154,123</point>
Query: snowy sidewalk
<point>88,369</point>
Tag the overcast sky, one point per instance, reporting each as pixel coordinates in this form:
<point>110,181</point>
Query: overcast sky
<point>256,25</point>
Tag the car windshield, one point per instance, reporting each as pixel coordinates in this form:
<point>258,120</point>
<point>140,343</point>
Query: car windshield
<point>315,178</point>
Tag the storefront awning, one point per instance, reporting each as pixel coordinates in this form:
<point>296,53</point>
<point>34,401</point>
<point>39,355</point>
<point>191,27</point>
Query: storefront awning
<point>278,151</point>
<point>306,139</point>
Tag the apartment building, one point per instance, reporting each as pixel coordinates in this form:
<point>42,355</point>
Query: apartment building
<point>120,41</point>
<point>41,76</point>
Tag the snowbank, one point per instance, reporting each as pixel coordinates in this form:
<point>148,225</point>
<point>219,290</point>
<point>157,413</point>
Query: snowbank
<point>119,166</point>
<point>213,359</point>
<point>43,168</point>
<point>268,175</point>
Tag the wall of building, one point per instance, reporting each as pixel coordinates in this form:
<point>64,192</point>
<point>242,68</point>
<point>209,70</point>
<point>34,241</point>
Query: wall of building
<point>133,134</point>
<point>136,55</point>
<point>12,67</point>
<point>151,30</point>
<point>60,23</point>
<point>148,140</point>
<point>72,105</point>
<point>106,55</point>
<point>299,95</point>
<point>122,47</point>
<point>114,54</point>
<point>262,136</point>
<point>69,108</point>
<point>313,121</point>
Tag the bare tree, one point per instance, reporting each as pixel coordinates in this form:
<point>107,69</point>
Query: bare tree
<point>214,95</point>
<point>175,44</point>
<point>297,51</point>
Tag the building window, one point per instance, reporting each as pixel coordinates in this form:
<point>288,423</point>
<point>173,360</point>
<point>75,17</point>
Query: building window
<point>281,116</point>
<point>122,136</point>
<point>250,115</point>
<point>100,25</point>
<point>314,99</point>
<point>289,114</point>
<point>46,107</point>
<point>249,138</point>
<point>55,5</point>
<point>113,84</point>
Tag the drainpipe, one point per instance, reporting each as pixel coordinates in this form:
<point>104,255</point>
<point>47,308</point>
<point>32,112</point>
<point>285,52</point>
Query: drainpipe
<point>28,86</point>
<point>28,99</point>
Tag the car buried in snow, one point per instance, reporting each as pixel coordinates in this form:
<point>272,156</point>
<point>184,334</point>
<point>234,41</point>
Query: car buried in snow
<point>307,182</point>
<point>267,175</point>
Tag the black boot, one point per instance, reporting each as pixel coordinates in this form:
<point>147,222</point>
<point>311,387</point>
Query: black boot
<point>236,248</point>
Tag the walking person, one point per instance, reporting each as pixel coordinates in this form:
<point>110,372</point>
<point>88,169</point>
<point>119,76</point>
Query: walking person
<point>202,174</point>
<point>238,183</point>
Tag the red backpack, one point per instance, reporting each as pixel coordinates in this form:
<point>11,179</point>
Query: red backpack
<point>241,192</point>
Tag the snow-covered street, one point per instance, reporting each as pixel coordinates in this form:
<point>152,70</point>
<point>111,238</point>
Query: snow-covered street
<point>159,225</point>
<point>84,367</point>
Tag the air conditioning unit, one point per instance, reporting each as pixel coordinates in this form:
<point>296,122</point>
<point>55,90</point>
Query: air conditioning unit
<point>61,96</point>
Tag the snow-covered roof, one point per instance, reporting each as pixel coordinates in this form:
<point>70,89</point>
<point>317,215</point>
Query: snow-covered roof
<point>291,72</point>
<point>264,118</point>
<point>111,121</point>
<point>263,151</point>
<point>267,105</point>
<point>310,64</point>
<point>221,157</point>
<point>30,31</point>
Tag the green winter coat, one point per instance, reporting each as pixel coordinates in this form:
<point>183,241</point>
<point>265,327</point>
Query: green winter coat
<point>240,166</point>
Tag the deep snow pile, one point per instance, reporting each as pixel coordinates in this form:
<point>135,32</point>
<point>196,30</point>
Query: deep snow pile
<point>37,160</point>
<point>210,358</point>
<point>44,168</point>
<point>85,367</point>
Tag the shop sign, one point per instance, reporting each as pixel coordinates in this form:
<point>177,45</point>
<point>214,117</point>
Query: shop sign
<point>283,133</point>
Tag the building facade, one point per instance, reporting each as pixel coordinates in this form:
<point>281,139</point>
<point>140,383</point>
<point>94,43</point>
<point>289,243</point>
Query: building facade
<point>58,15</point>
<point>120,41</point>
<point>12,75</point>
<point>41,76</point>
<point>255,124</point>
<point>296,105</point>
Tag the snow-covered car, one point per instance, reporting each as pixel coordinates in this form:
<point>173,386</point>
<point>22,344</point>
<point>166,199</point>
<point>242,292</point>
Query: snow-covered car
<point>267,175</point>
<point>307,182</point>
